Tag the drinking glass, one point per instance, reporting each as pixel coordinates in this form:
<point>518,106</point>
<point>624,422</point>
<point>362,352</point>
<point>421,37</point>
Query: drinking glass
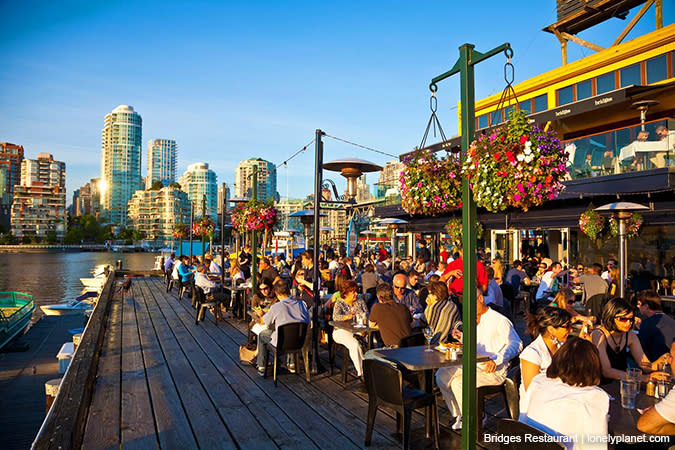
<point>428,335</point>
<point>628,393</point>
<point>635,374</point>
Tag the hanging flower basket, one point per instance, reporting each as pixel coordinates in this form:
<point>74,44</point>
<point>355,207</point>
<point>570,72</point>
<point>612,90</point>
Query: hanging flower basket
<point>632,226</point>
<point>592,224</point>
<point>203,227</point>
<point>431,185</point>
<point>254,216</point>
<point>454,229</point>
<point>516,165</point>
<point>180,231</point>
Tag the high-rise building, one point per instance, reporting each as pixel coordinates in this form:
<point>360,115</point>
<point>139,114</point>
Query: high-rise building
<point>200,184</point>
<point>121,149</point>
<point>39,203</point>
<point>287,207</point>
<point>86,199</point>
<point>161,162</point>
<point>363,193</point>
<point>11,156</point>
<point>389,181</point>
<point>5,198</point>
<point>267,179</point>
<point>155,213</point>
<point>223,196</point>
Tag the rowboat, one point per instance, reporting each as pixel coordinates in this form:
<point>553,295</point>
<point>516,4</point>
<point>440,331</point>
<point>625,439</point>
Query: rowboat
<point>67,309</point>
<point>16,310</point>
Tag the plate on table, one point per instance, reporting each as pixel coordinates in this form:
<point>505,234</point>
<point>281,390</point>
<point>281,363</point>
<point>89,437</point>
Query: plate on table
<point>357,325</point>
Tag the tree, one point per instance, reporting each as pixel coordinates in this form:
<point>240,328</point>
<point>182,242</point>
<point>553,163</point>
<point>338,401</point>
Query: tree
<point>51,237</point>
<point>173,184</point>
<point>156,185</point>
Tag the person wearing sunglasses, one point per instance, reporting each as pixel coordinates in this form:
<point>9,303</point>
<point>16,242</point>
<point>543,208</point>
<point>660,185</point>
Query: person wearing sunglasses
<point>615,339</point>
<point>407,296</point>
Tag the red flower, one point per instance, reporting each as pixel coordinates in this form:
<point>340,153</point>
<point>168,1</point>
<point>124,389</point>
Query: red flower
<point>510,157</point>
<point>497,156</point>
<point>523,138</point>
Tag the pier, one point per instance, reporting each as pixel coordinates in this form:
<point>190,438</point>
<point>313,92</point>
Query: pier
<point>145,376</point>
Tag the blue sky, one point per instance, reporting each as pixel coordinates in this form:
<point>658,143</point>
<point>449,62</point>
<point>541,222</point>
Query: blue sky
<point>234,80</point>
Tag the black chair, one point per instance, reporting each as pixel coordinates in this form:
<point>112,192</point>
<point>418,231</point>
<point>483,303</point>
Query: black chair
<point>509,294</point>
<point>595,304</point>
<point>509,391</point>
<point>412,340</point>
<point>183,286</point>
<point>415,378</point>
<point>384,382</point>
<point>201,304</point>
<point>290,339</point>
<point>519,431</point>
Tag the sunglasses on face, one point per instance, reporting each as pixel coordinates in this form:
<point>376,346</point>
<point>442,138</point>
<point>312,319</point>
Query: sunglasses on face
<point>567,326</point>
<point>624,319</point>
<point>580,268</point>
<point>264,288</point>
<point>399,287</point>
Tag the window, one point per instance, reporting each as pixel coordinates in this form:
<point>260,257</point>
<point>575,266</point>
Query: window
<point>540,103</point>
<point>495,117</point>
<point>584,89</point>
<point>483,121</point>
<point>566,95</point>
<point>605,83</point>
<point>630,75</point>
<point>657,69</point>
<point>526,106</point>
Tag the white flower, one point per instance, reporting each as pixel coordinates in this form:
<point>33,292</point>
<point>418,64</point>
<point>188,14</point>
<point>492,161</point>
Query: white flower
<point>528,147</point>
<point>528,159</point>
<point>520,157</point>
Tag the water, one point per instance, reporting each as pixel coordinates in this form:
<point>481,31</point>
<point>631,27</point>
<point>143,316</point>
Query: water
<point>54,277</point>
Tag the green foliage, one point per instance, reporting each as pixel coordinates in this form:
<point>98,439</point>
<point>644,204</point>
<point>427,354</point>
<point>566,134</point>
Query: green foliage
<point>175,185</point>
<point>156,185</point>
<point>51,238</point>
<point>7,239</point>
<point>86,229</point>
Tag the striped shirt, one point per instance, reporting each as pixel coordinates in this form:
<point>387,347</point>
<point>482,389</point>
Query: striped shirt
<point>443,317</point>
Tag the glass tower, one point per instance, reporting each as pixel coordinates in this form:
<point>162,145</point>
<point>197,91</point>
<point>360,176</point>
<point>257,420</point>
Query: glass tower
<point>200,184</point>
<point>161,162</point>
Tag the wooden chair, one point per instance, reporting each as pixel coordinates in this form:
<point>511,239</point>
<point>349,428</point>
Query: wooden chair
<point>509,391</point>
<point>519,430</point>
<point>290,339</point>
<point>384,382</point>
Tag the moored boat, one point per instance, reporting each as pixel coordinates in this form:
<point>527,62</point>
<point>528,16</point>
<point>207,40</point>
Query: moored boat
<point>68,308</point>
<point>94,283</point>
<point>16,310</point>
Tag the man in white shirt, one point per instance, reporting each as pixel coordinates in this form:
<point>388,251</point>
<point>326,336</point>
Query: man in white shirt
<point>545,291</point>
<point>611,263</point>
<point>211,288</point>
<point>495,337</point>
<point>661,418</point>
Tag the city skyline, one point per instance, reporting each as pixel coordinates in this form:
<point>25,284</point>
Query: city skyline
<point>356,77</point>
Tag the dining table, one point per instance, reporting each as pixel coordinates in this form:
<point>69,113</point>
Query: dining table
<point>238,296</point>
<point>354,328</point>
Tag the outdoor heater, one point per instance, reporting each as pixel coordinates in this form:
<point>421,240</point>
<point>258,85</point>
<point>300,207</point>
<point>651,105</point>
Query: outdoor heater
<point>307,218</point>
<point>393,225</point>
<point>368,233</point>
<point>623,212</point>
<point>326,231</point>
<point>351,169</point>
<point>291,234</point>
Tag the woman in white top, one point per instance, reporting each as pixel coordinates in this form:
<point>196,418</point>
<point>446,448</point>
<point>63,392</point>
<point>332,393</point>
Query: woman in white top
<point>236,274</point>
<point>551,326</point>
<point>567,402</point>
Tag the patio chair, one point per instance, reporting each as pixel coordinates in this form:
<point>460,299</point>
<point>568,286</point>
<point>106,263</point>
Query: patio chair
<point>202,305</point>
<point>384,382</point>
<point>594,305</point>
<point>509,391</point>
<point>511,427</point>
<point>290,339</point>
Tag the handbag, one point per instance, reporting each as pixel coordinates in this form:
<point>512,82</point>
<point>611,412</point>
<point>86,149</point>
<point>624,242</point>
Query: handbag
<point>247,354</point>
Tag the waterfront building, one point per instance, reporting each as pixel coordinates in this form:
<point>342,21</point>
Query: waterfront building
<point>363,193</point>
<point>5,198</point>
<point>155,212</point>
<point>336,218</point>
<point>162,154</point>
<point>223,197</point>
<point>39,201</point>
<point>121,149</point>
<point>388,183</point>
<point>267,179</point>
<point>200,184</point>
<point>11,156</point>
<point>86,199</point>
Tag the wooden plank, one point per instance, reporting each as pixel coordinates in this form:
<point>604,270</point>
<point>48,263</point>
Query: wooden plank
<point>137,424</point>
<point>64,425</point>
<point>275,422</point>
<point>173,426</point>
<point>207,425</point>
<point>103,425</point>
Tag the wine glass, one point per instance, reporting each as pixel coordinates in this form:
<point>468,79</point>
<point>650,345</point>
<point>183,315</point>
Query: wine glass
<point>428,335</point>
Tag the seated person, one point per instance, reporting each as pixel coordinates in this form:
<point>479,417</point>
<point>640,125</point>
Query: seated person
<point>548,284</point>
<point>613,336</point>
<point>391,318</point>
<point>657,329</point>
<point>212,266</point>
<point>495,337</point>
<point>406,296</point>
<point>567,401</point>
<point>660,419</point>
<point>441,313</point>
<point>286,310</point>
<point>494,296</point>
<point>211,289</point>
<point>515,276</point>
<point>346,308</point>
<point>268,273</point>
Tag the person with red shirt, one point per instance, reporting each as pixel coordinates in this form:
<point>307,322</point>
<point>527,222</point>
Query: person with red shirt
<point>454,270</point>
<point>444,255</point>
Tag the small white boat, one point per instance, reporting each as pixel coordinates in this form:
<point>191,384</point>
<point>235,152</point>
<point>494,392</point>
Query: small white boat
<point>66,309</point>
<point>95,283</point>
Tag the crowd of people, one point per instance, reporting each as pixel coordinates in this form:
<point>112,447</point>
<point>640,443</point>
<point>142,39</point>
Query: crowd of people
<point>581,334</point>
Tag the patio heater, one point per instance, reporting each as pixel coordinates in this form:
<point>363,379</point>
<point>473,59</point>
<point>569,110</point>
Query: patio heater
<point>643,106</point>
<point>351,169</point>
<point>237,235</point>
<point>307,218</point>
<point>623,212</point>
<point>326,231</point>
<point>291,234</point>
<point>393,225</point>
<point>368,233</point>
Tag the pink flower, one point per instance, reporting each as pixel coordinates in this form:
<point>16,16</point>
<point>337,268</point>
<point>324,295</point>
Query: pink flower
<point>520,187</point>
<point>551,196</point>
<point>517,197</point>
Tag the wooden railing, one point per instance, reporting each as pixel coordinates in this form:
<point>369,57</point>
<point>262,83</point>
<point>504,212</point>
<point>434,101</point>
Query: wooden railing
<point>64,425</point>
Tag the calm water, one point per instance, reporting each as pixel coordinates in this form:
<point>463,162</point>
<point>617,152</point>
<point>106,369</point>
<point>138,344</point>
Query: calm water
<point>54,277</point>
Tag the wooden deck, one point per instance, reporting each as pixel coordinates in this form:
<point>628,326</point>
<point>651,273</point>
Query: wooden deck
<point>162,381</point>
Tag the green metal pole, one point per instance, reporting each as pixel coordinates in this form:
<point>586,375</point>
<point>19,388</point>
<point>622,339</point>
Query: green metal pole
<point>469,256</point>
<point>254,238</point>
<point>203,215</point>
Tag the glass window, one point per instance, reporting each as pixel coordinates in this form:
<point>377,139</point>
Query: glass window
<point>495,117</point>
<point>605,83</point>
<point>584,89</point>
<point>483,121</point>
<point>657,69</point>
<point>540,103</point>
<point>566,95</point>
<point>630,75</point>
<point>526,106</point>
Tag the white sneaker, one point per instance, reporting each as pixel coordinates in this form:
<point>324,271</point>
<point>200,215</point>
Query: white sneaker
<point>458,423</point>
